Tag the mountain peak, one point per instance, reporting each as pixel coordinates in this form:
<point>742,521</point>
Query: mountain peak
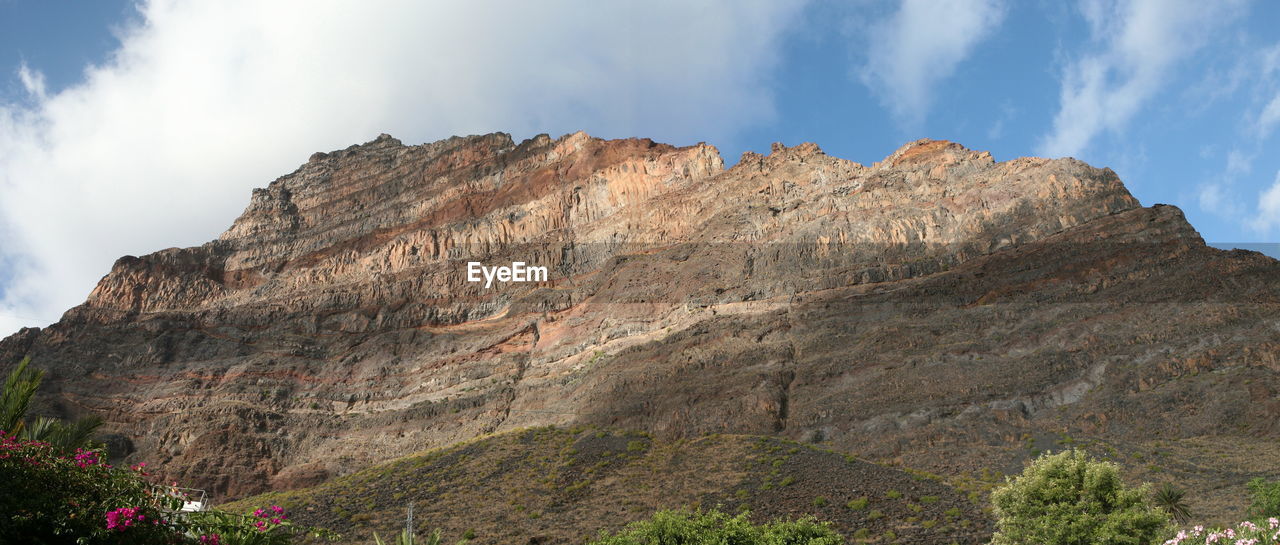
<point>890,310</point>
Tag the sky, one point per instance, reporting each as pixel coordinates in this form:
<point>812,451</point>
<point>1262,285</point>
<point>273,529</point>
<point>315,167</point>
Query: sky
<point>131,126</point>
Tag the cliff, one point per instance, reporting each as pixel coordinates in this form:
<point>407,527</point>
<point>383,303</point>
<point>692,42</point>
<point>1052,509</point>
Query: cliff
<point>937,308</point>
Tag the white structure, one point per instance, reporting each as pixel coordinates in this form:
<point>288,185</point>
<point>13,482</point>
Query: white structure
<point>192,499</point>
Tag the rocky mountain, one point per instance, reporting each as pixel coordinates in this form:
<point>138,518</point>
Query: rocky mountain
<point>937,309</point>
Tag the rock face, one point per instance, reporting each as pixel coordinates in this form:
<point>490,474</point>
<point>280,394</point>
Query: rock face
<point>938,308</point>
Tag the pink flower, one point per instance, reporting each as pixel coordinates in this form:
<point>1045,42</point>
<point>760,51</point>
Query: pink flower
<point>277,509</point>
<point>85,458</point>
<point>259,513</point>
<point>119,519</point>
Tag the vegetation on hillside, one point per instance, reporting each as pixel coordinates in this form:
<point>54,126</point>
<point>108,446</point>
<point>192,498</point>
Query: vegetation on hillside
<point>555,485</point>
<point>716,527</point>
<point>625,488</point>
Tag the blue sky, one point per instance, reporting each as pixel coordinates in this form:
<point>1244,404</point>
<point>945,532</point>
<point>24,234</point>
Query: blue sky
<point>129,127</point>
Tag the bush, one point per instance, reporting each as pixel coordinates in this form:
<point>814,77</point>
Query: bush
<point>435,537</point>
<point>1070,499</point>
<point>264,526</point>
<point>716,527</point>
<point>1266,498</point>
<point>50,497</point>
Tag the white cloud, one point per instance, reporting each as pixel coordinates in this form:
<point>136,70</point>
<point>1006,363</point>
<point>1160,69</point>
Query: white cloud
<point>1268,118</point>
<point>1217,198</point>
<point>32,82</point>
<point>1268,218</point>
<point>920,45</point>
<point>205,100</point>
<point>1238,163</point>
<point>1224,194</point>
<point>1141,42</point>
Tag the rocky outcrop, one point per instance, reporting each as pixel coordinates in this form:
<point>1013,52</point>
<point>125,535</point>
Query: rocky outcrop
<point>906,311</point>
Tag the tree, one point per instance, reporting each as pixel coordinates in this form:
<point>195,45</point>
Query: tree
<point>1071,499</point>
<point>19,388</point>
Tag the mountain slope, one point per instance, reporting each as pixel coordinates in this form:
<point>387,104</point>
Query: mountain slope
<point>938,308</point>
<point>549,485</point>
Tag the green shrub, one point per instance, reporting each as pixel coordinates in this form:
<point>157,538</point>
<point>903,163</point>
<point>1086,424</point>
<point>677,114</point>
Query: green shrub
<point>1265,498</point>
<point>712,527</point>
<point>1169,498</point>
<point>893,494</point>
<point>858,504</point>
<point>1070,499</point>
<point>405,537</point>
<point>269,526</point>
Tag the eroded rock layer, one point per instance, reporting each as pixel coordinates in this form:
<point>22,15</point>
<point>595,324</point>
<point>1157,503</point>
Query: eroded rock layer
<point>938,308</point>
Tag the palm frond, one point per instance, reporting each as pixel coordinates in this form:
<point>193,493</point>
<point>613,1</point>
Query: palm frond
<point>43,429</point>
<point>1170,498</point>
<point>19,388</point>
<point>68,436</point>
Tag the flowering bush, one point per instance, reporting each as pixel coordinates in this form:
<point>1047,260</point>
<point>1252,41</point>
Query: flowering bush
<point>54,498</point>
<point>270,526</point>
<point>49,496</point>
<point>1246,533</point>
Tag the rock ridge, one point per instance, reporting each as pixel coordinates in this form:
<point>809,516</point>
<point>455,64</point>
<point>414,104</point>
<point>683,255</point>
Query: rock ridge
<point>933,300</point>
